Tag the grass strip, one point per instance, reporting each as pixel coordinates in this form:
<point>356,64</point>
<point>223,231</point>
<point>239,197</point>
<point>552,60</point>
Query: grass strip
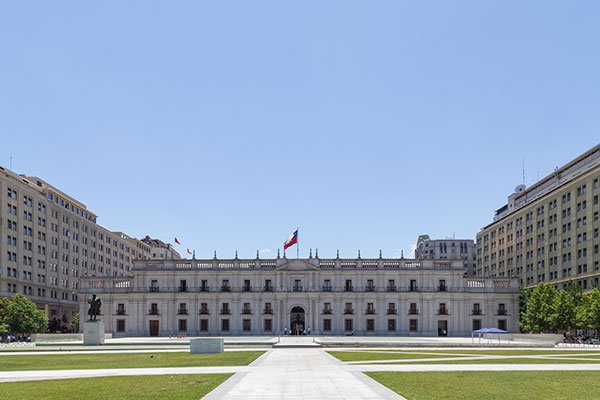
<point>505,361</point>
<point>366,356</point>
<point>126,360</point>
<point>168,387</point>
<point>496,385</point>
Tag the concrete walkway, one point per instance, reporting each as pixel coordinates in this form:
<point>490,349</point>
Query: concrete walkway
<point>300,374</point>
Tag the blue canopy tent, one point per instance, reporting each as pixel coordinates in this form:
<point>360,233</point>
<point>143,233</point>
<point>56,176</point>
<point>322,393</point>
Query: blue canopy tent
<point>489,331</point>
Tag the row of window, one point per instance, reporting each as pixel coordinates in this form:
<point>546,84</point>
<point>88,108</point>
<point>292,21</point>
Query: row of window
<point>298,286</point>
<point>327,309</point>
<point>327,325</point>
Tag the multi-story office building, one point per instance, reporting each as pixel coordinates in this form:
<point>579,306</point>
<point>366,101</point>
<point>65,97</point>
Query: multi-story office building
<point>160,249</point>
<point>321,296</point>
<point>447,249</point>
<point>50,240</point>
<point>549,231</point>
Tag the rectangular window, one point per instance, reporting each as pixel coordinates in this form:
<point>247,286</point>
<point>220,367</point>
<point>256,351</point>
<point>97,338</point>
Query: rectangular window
<point>370,325</point>
<point>391,325</point>
<point>225,325</point>
<point>225,309</point>
<point>120,325</point>
<point>268,325</point>
<point>476,324</point>
<point>502,324</point>
<point>183,325</point>
<point>413,309</point>
<point>225,286</point>
<point>246,325</point>
<point>203,325</point>
<point>413,285</point>
<point>349,325</point>
<point>413,325</point>
<point>327,325</point>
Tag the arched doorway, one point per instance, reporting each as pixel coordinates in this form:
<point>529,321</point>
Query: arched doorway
<point>297,321</point>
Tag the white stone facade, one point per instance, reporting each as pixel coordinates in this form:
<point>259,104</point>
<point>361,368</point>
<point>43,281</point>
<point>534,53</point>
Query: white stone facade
<point>276,296</point>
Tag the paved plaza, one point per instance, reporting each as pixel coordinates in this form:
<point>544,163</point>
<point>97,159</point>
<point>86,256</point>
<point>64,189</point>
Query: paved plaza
<point>299,370</point>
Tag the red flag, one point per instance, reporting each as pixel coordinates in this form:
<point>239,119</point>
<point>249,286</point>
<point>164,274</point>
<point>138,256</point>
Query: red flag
<point>177,241</point>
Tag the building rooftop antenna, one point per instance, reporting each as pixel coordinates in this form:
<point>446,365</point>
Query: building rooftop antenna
<point>523,170</point>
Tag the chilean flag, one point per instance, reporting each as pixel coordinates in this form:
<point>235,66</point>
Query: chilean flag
<point>177,241</point>
<point>292,240</point>
<point>189,252</point>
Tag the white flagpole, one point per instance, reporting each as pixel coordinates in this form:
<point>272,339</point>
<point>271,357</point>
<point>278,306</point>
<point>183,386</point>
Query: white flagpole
<point>297,242</point>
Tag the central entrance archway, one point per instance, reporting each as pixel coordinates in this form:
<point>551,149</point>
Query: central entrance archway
<point>297,321</point>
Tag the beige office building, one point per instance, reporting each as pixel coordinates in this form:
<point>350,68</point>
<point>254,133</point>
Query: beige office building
<point>549,231</point>
<point>322,296</point>
<point>49,241</point>
<point>447,249</point>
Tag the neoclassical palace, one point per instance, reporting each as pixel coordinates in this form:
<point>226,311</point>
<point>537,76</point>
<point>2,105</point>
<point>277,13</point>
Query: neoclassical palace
<point>337,296</point>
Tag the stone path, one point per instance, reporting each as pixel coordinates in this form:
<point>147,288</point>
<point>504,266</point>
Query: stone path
<point>300,374</point>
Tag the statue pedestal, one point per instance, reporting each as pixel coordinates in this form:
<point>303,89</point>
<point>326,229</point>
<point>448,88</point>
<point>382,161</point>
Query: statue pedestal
<point>93,333</point>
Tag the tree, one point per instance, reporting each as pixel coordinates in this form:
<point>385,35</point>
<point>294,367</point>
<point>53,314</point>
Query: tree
<point>565,310</point>
<point>540,308</point>
<point>22,316</point>
<point>593,307</point>
<point>75,322</point>
<point>523,302</point>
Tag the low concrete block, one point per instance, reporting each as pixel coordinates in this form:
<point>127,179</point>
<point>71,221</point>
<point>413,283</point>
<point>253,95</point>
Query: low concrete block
<point>203,346</point>
<point>93,332</point>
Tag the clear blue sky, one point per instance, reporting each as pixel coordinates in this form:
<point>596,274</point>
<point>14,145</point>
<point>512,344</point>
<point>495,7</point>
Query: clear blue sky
<point>227,124</point>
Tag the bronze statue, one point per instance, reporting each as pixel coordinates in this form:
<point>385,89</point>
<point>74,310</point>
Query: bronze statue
<point>94,310</point>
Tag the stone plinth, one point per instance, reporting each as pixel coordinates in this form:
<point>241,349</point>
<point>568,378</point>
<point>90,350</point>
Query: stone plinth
<point>203,346</point>
<point>93,332</point>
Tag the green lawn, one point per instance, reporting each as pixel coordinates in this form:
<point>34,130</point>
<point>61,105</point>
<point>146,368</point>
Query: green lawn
<point>367,356</point>
<point>505,352</point>
<point>168,387</point>
<point>126,360</point>
<point>513,385</point>
<point>506,361</point>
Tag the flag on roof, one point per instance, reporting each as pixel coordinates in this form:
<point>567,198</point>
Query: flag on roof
<point>189,252</point>
<point>177,241</point>
<point>292,240</point>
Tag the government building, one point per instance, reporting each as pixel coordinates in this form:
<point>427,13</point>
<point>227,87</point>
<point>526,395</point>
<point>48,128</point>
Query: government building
<point>549,231</point>
<point>49,241</point>
<point>279,296</point>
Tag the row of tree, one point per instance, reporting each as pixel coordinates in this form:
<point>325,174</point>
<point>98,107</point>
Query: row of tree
<point>546,309</point>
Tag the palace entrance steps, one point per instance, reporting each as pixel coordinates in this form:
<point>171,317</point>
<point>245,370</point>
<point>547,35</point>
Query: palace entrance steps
<point>296,342</point>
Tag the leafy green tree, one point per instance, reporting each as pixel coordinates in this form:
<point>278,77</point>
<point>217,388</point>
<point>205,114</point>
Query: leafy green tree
<point>539,316</point>
<point>75,322</point>
<point>523,302</point>
<point>583,316</point>
<point>565,310</point>
<point>594,308</point>
<point>22,316</point>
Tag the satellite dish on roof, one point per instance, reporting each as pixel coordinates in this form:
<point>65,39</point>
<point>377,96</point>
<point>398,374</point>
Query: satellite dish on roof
<point>520,188</point>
